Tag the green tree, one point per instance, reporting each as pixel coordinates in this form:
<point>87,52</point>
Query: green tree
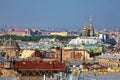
<point>37,38</point>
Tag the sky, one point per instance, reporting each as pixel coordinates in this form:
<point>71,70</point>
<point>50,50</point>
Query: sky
<point>59,14</point>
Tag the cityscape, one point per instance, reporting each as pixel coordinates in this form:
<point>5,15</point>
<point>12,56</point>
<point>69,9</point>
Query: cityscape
<point>44,40</point>
<point>83,52</point>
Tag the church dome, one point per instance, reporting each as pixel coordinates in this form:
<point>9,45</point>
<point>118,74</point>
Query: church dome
<point>11,44</point>
<point>85,27</point>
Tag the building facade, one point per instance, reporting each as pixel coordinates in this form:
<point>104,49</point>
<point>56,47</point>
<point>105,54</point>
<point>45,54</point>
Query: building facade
<point>59,33</point>
<point>19,32</point>
<point>109,60</point>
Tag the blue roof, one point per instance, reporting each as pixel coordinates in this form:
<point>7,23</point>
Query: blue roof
<point>2,59</point>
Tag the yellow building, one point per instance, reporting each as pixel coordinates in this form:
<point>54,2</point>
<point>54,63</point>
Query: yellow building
<point>59,33</point>
<point>26,53</point>
<point>109,60</point>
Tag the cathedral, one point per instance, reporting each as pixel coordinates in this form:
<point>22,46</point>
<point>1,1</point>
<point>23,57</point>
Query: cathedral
<point>88,32</point>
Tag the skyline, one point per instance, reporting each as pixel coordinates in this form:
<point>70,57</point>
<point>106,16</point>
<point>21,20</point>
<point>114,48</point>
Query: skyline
<point>62,14</point>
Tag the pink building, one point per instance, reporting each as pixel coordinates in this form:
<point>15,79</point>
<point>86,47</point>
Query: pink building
<point>19,32</point>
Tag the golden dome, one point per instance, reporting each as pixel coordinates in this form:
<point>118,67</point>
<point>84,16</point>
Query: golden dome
<point>85,27</point>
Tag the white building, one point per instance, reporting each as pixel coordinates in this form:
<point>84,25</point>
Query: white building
<point>86,41</point>
<point>104,37</point>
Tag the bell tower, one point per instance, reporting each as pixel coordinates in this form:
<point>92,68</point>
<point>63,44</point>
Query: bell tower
<point>91,29</point>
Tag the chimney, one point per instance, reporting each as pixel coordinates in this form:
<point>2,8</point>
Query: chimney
<point>60,55</point>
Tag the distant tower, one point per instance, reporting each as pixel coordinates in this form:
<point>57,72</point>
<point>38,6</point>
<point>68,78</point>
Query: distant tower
<point>91,29</point>
<point>85,31</point>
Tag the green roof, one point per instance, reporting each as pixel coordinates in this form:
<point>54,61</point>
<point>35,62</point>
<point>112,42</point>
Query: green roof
<point>95,49</point>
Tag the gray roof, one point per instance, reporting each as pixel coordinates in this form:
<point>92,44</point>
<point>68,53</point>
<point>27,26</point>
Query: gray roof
<point>108,56</point>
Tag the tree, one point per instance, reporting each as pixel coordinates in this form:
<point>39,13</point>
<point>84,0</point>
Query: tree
<point>37,38</point>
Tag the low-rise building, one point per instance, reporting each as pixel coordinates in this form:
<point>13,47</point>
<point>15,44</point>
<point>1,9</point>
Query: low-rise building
<point>59,33</point>
<point>109,60</point>
<point>69,54</point>
<point>19,32</point>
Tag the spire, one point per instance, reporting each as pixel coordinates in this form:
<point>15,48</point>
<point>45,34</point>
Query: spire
<point>91,27</point>
<point>91,21</point>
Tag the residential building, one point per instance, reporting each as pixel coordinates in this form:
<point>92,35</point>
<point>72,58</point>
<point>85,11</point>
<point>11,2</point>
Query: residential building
<point>109,60</point>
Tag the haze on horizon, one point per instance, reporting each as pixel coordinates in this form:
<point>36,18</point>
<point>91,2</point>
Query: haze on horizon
<point>59,14</point>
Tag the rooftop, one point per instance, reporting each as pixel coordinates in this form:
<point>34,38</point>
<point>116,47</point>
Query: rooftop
<point>110,56</point>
